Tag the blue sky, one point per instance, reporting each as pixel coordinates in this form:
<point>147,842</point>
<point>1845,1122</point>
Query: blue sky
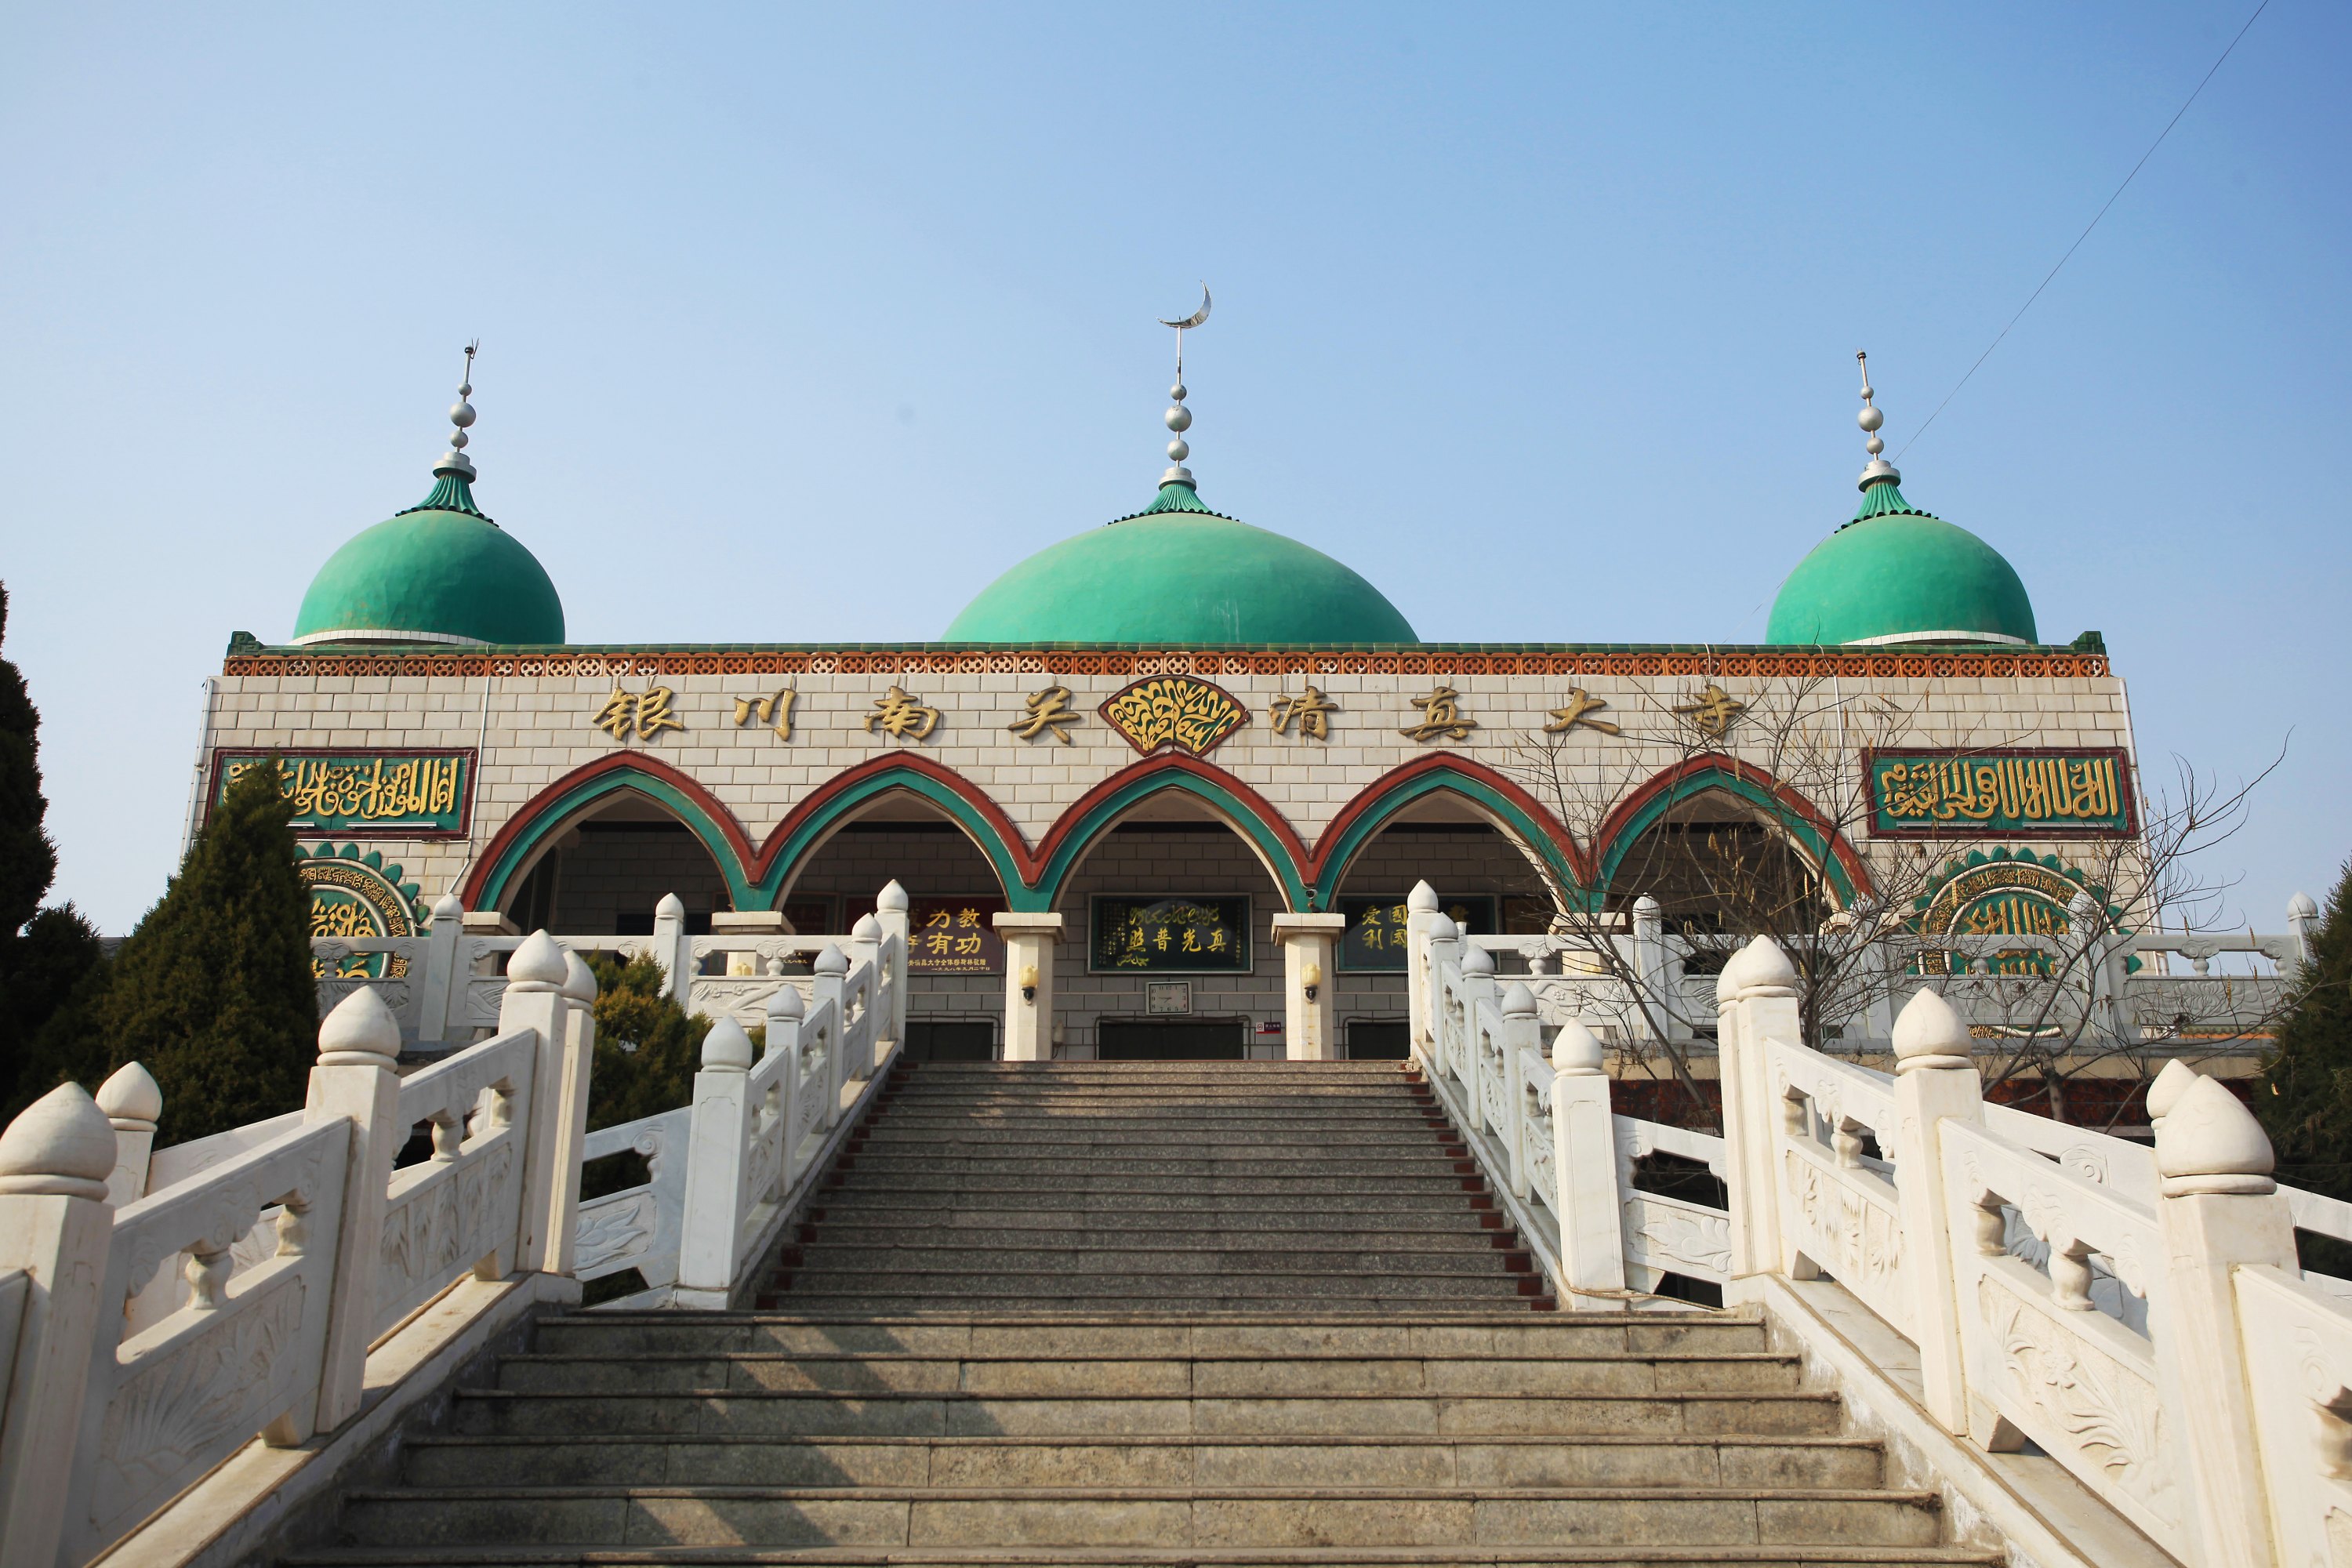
<point>802,324</point>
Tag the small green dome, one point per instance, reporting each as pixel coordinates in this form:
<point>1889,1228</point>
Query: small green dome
<point>438,573</point>
<point>1178,573</point>
<point>1898,574</point>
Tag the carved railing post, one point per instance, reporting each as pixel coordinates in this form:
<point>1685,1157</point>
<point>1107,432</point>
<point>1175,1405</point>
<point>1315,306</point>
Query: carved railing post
<point>785,1010</point>
<point>132,1103</point>
<point>1421,913</point>
<point>832,985</point>
<point>1933,1081</point>
<point>1585,1153</point>
<point>673,949</point>
<point>1522,1032</point>
<point>1651,1012</point>
<point>1756,999</point>
<point>440,984</point>
<point>2301,926</point>
<point>534,1000</point>
<point>865,944</point>
<point>352,1080</point>
<point>2220,1211</point>
<point>890,912</point>
<point>1479,991</point>
<point>564,1102</point>
<point>716,1149</point>
<point>55,1227</point>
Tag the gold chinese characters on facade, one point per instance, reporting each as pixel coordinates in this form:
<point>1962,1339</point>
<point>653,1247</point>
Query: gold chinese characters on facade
<point>1712,712</point>
<point>1441,717</point>
<point>1579,710</point>
<point>775,711</point>
<point>901,717</point>
<point>1048,713</point>
<point>647,713</point>
<point>1310,714</point>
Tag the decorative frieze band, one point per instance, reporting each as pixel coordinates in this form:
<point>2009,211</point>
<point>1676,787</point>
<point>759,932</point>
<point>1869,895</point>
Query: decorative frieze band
<point>1861,663</point>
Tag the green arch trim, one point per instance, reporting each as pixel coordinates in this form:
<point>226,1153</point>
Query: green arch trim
<point>517,843</point>
<point>1845,869</point>
<point>1241,807</point>
<point>810,824</point>
<point>1519,814</point>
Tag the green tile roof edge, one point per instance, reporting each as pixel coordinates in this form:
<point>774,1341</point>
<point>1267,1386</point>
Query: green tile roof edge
<point>2089,642</point>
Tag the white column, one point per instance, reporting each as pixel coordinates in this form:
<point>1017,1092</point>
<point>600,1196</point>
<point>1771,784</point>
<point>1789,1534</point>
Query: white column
<point>133,1103</point>
<point>56,1226</point>
<point>1933,1081</point>
<point>717,1146</point>
<point>1584,1153</point>
<point>2219,1211</point>
<point>1650,1020</point>
<point>1029,943</point>
<point>567,1106</point>
<point>352,1080</point>
<point>1310,1010</point>
<point>534,1000</point>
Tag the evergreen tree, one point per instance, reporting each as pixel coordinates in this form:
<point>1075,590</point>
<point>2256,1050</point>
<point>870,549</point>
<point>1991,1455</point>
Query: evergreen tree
<point>213,990</point>
<point>648,1048</point>
<point>47,955</point>
<point>2305,1096</point>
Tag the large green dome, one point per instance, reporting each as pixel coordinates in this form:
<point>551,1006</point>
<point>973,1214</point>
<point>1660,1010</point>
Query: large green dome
<point>438,573</point>
<point>1898,574</point>
<point>1178,573</point>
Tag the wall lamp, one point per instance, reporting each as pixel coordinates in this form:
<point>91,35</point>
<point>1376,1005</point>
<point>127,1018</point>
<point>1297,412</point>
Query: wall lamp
<point>1029,982</point>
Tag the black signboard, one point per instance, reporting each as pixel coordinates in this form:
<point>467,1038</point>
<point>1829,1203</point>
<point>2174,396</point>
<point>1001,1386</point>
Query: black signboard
<point>1187,934</point>
<point>1376,938</point>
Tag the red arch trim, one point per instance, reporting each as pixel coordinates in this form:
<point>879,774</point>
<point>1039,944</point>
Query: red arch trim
<point>1370,797</point>
<point>1696,769</point>
<point>528,818</point>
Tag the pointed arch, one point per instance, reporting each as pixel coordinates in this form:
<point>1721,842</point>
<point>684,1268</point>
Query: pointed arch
<point>516,846</point>
<point>1509,808</point>
<point>1241,807</point>
<point>1806,825</point>
<point>810,822</point>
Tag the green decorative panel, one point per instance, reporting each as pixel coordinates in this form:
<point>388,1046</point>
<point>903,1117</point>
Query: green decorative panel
<point>1376,935</point>
<point>415,795</point>
<point>1188,935</point>
<point>355,895</point>
<point>2005,892</point>
<point>2023,793</point>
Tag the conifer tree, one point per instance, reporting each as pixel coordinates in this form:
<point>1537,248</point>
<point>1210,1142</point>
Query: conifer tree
<point>2305,1096</point>
<point>47,955</point>
<point>213,990</point>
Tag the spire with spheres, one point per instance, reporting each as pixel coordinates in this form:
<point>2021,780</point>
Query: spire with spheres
<point>1177,490</point>
<point>453,476</point>
<point>1880,481</point>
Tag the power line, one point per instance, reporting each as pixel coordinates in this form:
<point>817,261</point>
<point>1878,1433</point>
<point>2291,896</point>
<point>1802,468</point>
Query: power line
<point>2079,239</point>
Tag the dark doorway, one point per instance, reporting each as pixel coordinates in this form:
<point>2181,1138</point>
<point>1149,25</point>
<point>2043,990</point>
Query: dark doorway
<point>951,1040</point>
<point>1157,1040</point>
<point>1369,1041</point>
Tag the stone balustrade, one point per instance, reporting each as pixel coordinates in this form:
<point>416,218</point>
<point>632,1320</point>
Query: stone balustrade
<point>2138,1315</point>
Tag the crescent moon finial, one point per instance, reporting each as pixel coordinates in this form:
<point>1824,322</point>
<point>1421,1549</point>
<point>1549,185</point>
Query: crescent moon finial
<point>1196,317</point>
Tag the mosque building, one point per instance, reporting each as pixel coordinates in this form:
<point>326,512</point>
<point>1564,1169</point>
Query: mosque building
<point>1174,753</point>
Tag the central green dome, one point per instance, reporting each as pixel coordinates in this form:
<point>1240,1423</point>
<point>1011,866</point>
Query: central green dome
<point>1897,574</point>
<point>1178,573</point>
<point>438,573</point>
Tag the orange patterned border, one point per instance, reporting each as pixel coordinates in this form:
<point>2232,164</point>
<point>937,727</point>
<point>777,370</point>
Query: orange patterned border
<point>1870,664</point>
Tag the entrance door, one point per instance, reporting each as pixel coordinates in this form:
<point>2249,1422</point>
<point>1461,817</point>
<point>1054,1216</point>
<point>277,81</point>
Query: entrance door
<point>951,1040</point>
<point>1377,1040</point>
<point>1171,1039</point>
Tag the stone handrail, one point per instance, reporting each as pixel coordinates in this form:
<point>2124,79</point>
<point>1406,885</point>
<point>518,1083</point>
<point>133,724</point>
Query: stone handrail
<point>727,1171</point>
<point>169,1307</point>
<point>2137,1314</point>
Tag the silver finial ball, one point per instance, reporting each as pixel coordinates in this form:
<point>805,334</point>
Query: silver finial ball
<point>1179,418</point>
<point>1177,451</point>
<point>1874,446</point>
<point>1176,392</point>
<point>1870,418</point>
<point>457,440</point>
<point>465,389</point>
<point>461,414</point>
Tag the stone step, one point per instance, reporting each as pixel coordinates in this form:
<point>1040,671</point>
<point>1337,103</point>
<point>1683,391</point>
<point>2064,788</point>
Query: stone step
<point>1231,1180</point>
<point>772,1412</point>
<point>1221,1205</point>
<point>1305,1165</point>
<point>1517,1336</point>
<point>1119,1375</point>
<point>977,1284</point>
<point>1143,1461</point>
<point>1451,1556</point>
<point>1279,1137</point>
<point>1207,1294</point>
<point>1016,1231</point>
<point>1175,1257</point>
<point>1209,1516</point>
